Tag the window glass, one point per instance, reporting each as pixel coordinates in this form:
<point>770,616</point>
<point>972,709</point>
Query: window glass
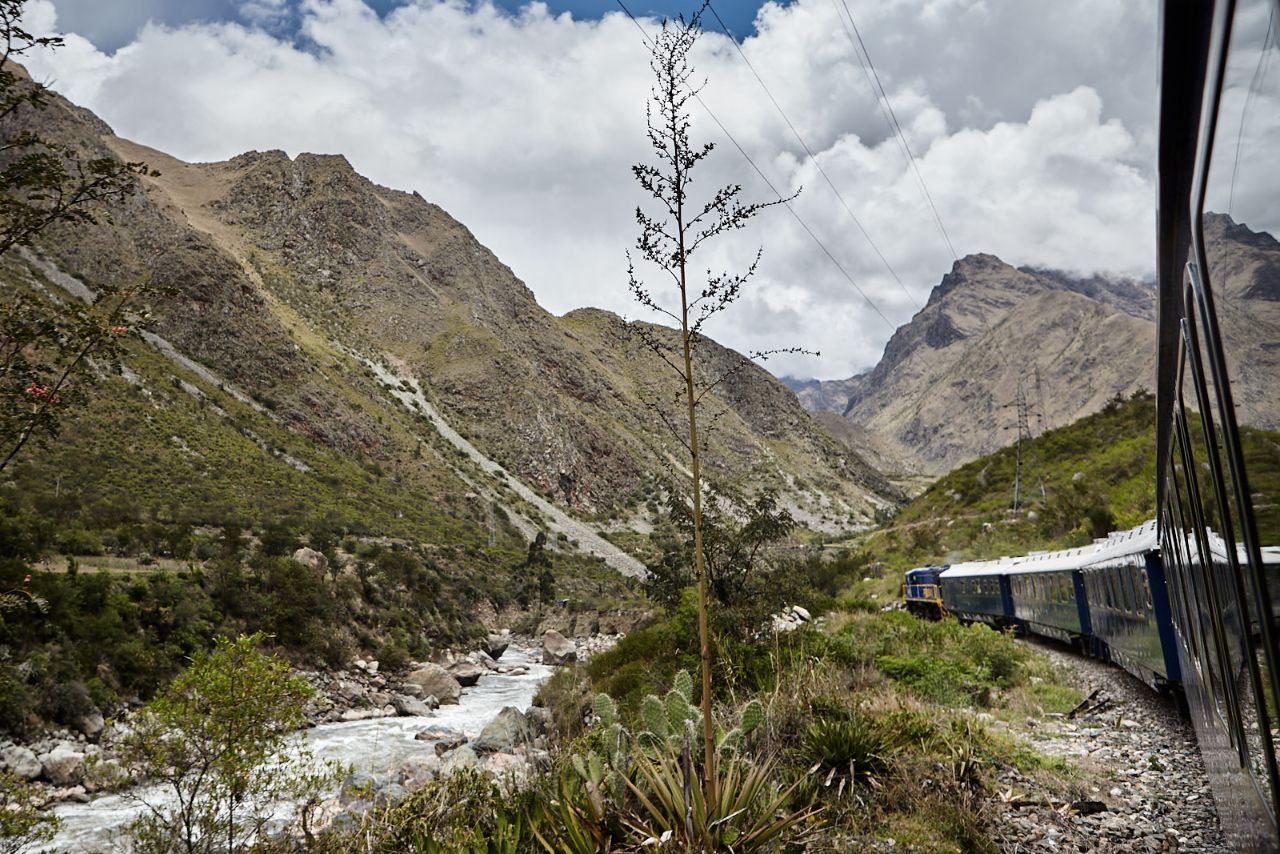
<point>1241,224</point>
<point>1198,575</point>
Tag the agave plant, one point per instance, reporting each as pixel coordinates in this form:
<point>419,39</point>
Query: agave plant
<point>576,821</point>
<point>852,749</point>
<point>749,814</point>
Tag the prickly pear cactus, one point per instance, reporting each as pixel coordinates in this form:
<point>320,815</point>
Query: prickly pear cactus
<point>654,716</point>
<point>751,717</point>
<point>683,685</point>
<point>605,710</point>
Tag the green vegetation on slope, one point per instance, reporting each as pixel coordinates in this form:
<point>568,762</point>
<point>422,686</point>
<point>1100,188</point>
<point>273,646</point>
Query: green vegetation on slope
<point>1098,475</point>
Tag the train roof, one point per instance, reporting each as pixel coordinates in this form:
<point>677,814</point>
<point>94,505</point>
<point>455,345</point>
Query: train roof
<point>1119,544</point>
<point>925,569</point>
<point>969,568</point>
<point>1115,545</point>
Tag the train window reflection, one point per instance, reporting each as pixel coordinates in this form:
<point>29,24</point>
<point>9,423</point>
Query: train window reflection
<point>1240,225</point>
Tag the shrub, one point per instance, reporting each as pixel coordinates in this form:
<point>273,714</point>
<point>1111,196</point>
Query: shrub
<point>215,740</point>
<point>854,748</point>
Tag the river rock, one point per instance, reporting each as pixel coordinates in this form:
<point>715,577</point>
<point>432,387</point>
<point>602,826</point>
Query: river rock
<point>64,766</point>
<point>504,733</point>
<point>419,770</point>
<point>557,649</point>
<point>311,558</point>
<point>481,659</point>
<point>91,725</point>
<point>466,673</point>
<point>409,706</point>
<point>435,680</point>
<point>539,719</point>
<point>21,761</point>
<point>462,757</point>
<point>508,767</point>
<point>496,645</point>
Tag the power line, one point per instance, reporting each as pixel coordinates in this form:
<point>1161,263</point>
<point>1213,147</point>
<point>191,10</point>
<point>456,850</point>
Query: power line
<point>812,158</point>
<point>895,126</point>
<point>769,183</point>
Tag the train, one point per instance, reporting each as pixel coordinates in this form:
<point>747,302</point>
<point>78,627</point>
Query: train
<point>1190,601</point>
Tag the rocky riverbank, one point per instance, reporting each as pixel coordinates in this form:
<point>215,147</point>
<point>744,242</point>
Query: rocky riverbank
<point>67,765</point>
<point>1142,785</point>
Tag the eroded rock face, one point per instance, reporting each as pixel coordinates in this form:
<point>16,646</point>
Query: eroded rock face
<point>508,730</point>
<point>435,681</point>
<point>557,649</point>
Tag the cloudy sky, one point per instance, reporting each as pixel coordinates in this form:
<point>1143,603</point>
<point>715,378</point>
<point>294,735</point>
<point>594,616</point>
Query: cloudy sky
<point>1032,123</point>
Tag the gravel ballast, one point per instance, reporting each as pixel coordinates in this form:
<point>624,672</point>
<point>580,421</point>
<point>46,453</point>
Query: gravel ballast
<point>1141,782</point>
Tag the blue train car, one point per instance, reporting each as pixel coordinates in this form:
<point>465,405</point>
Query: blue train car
<point>922,593</point>
<point>1049,597</point>
<point>1129,606</point>
<point>978,591</point>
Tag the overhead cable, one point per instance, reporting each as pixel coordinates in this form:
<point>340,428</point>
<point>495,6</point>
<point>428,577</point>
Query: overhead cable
<point>784,200</point>
<point>812,158</point>
<point>894,126</point>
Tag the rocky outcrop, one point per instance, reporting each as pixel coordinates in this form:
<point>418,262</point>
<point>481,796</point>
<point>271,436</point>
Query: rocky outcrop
<point>557,649</point>
<point>437,682</point>
<point>311,559</point>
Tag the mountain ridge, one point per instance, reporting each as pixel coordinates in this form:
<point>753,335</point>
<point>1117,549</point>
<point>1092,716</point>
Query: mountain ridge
<point>292,275</point>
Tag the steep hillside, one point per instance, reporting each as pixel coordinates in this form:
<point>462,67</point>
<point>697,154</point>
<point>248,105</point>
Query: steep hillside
<point>368,321</point>
<point>948,385</point>
<point>1078,482</point>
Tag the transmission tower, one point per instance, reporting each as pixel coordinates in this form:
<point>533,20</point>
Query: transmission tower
<point>1022,407</point>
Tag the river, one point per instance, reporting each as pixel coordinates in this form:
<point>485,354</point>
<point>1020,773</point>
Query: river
<point>374,747</point>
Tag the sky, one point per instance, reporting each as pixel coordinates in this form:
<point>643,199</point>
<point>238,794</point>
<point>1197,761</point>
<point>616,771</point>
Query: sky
<point>1031,124</point>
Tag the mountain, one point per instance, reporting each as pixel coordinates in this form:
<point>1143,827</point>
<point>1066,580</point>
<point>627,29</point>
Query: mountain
<point>367,325</point>
<point>948,385</point>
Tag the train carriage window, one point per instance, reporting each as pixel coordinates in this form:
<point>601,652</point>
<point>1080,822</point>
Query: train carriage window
<point>1195,574</point>
<point>1239,225</point>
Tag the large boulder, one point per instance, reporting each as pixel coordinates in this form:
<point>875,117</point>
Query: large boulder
<point>482,659</point>
<point>466,673</point>
<point>409,706</point>
<point>557,649</point>
<point>496,645</point>
<point>462,757</point>
<point>21,762</point>
<point>64,766</point>
<point>311,558</point>
<point>437,682</point>
<point>507,731</point>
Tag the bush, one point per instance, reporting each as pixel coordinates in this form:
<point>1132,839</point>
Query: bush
<point>852,747</point>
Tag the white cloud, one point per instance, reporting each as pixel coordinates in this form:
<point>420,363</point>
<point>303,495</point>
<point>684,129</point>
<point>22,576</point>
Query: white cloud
<point>1031,123</point>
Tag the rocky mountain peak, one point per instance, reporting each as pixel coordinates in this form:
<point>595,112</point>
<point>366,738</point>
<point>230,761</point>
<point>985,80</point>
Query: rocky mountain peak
<point>977,268</point>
